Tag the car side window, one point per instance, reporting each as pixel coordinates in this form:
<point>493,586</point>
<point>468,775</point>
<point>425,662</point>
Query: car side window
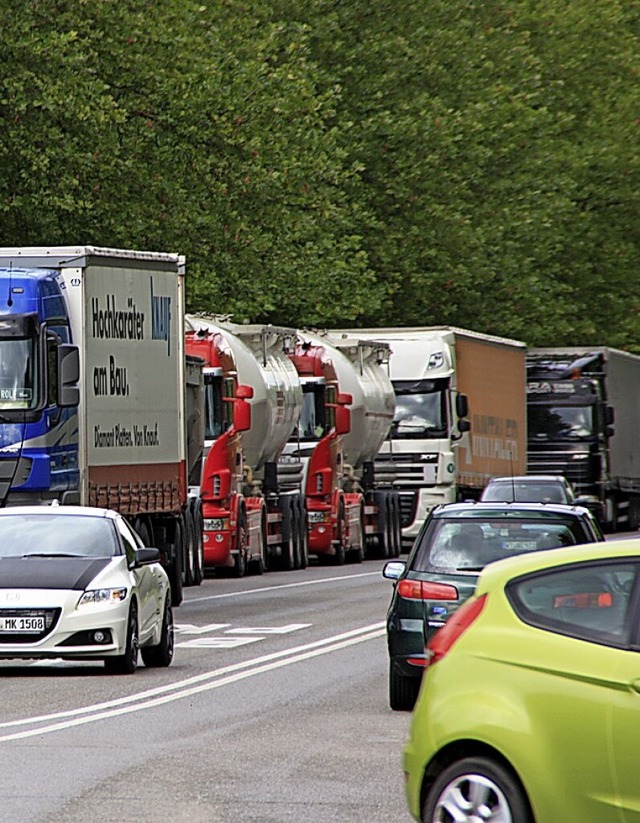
<point>589,601</point>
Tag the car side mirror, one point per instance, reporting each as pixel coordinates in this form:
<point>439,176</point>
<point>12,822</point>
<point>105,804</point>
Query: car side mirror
<point>146,556</point>
<point>394,569</point>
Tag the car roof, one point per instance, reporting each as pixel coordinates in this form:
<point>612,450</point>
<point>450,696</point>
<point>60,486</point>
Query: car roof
<point>497,574</point>
<point>485,506</point>
<point>530,478</point>
<point>78,511</point>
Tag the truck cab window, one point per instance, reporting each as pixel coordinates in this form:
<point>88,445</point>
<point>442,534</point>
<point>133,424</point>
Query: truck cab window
<point>311,424</point>
<point>420,410</point>
<point>18,372</point>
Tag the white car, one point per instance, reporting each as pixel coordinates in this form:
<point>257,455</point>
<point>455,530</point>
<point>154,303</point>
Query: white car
<point>78,583</point>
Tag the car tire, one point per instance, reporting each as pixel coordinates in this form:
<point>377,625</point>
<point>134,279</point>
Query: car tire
<point>403,690</point>
<point>160,656</point>
<point>127,662</point>
<point>473,785</point>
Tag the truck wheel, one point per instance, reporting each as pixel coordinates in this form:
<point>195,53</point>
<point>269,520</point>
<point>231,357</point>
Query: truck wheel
<point>174,569</point>
<point>198,527</point>
<point>397,526</point>
<point>189,549</point>
<point>259,565</point>
<point>288,557</point>
<point>240,558</point>
<point>127,662</point>
<point>357,553</point>
<point>304,536</point>
<point>338,557</point>
<point>161,655</point>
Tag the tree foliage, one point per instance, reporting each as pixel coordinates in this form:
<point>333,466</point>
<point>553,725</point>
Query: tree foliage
<point>324,163</point>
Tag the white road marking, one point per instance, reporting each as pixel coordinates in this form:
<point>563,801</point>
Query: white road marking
<point>193,685</point>
<point>189,628</point>
<point>292,627</point>
<point>217,642</point>
<point>281,586</point>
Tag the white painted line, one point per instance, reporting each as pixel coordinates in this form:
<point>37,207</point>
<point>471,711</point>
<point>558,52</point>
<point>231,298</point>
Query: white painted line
<point>292,627</point>
<point>217,642</point>
<point>189,628</point>
<point>263,589</point>
<point>185,687</point>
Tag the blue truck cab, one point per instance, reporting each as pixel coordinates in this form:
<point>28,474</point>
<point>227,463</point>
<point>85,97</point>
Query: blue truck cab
<point>39,372</point>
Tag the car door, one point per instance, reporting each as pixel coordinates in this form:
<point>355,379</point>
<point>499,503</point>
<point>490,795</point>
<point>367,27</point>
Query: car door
<point>145,581</point>
<point>589,609</point>
<point>625,720</point>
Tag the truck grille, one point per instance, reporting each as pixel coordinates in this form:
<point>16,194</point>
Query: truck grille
<point>408,506</point>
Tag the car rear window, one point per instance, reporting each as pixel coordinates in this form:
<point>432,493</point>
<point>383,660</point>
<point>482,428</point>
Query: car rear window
<point>470,543</point>
<point>57,534</point>
<point>505,492</point>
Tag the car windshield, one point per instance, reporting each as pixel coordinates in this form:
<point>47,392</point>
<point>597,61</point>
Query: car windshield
<point>507,491</point>
<point>63,535</point>
<point>460,543</point>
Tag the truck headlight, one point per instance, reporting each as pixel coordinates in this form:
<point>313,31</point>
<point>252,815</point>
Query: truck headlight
<point>215,524</point>
<point>102,597</point>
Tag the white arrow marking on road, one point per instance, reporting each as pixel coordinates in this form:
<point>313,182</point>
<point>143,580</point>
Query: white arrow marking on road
<point>189,628</point>
<point>217,642</point>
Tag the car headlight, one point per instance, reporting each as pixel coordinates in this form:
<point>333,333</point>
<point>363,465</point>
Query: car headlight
<point>102,597</point>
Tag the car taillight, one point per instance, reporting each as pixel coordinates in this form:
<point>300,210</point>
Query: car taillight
<point>426,590</point>
<point>455,626</point>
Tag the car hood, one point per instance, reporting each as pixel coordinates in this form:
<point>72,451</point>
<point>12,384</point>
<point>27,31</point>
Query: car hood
<point>50,572</point>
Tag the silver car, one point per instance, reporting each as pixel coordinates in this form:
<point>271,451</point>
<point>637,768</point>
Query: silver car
<point>77,583</point>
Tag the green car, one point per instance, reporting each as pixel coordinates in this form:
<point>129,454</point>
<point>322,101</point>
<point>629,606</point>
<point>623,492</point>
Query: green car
<point>441,572</point>
<point>529,710</point>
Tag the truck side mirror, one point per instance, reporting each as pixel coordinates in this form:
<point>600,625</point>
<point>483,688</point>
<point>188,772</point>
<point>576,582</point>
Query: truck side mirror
<point>343,420</point>
<point>68,375</point>
<point>464,426</point>
<point>609,416</point>
<point>244,392</point>
<point>462,406</point>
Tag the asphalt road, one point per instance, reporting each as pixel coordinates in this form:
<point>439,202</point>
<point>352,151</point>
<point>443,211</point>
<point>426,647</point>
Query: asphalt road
<point>274,711</point>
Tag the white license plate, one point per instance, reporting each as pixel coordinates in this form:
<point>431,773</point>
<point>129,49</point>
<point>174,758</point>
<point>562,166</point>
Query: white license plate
<point>22,625</point>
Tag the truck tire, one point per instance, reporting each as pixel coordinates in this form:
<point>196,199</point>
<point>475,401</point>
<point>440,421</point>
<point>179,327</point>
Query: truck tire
<point>258,565</point>
<point>397,525</point>
<point>198,527</point>
<point>339,556</point>
<point>288,556</point>
<point>189,549</point>
<point>240,557</point>
<point>304,535</point>
<point>357,553</point>
<point>174,572</point>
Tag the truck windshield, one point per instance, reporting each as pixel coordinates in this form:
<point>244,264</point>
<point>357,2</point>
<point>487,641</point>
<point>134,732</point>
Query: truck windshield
<point>421,410</point>
<point>216,420</point>
<point>311,423</point>
<point>18,374</point>
<point>560,422</point>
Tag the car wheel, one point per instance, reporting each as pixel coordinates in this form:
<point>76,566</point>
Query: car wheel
<point>127,662</point>
<point>476,788</point>
<point>159,656</point>
<point>403,690</point>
